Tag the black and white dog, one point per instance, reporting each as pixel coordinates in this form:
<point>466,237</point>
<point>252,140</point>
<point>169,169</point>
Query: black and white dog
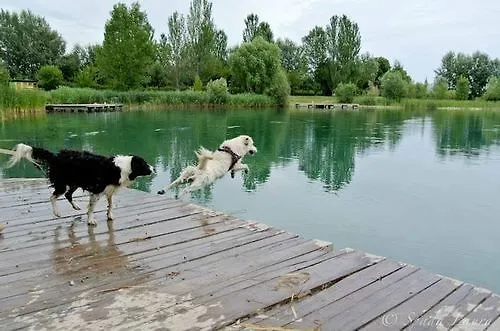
<point>69,170</point>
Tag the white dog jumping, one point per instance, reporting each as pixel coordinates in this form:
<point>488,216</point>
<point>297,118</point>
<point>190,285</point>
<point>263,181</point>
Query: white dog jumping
<point>214,165</point>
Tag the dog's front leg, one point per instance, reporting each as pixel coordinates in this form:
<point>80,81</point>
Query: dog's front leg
<point>94,198</point>
<point>238,167</point>
<point>110,206</point>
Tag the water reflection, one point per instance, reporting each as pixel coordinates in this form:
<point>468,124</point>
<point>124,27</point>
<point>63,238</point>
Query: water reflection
<point>467,133</point>
<point>325,144</point>
<point>73,259</point>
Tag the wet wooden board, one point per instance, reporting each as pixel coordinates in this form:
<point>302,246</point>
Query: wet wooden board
<point>165,263</point>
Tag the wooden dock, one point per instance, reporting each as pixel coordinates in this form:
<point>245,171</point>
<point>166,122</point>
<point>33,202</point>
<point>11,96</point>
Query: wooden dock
<point>166,264</point>
<point>314,105</point>
<point>83,107</point>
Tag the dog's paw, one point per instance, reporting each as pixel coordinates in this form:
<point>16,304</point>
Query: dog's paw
<point>161,192</point>
<point>76,207</point>
<point>110,217</point>
<point>57,214</point>
<point>245,171</point>
<point>92,222</point>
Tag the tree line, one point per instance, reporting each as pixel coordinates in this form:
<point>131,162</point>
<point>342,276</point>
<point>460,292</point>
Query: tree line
<point>194,52</point>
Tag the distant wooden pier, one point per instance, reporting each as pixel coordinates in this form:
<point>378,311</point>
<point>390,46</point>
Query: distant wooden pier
<point>314,105</point>
<point>83,107</point>
<point>168,264</point>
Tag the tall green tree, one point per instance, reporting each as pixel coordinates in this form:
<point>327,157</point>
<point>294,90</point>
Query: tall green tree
<point>343,46</point>
<point>462,88</point>
<point>221,45</point>
<point>394,87</point>
<point>254,28</point>
<point>477,68</point>
<point>439,88</point>
<point>398,67</point>
<point>493,90</point>
<point>254,65</point>
<point>315,53</point>
<point>367,69</point>
<point>251,27</point>
<point>70,64</point>
<point>201,33</point>
<point>294,62</point>
<point>383,66</point>
<point>480,73</point>
<point>128,49</point>
<point>27,43</point>
<point>264,30</point>
<point>176,41</point>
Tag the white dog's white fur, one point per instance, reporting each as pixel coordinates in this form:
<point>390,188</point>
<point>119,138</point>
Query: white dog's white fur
<point>214,165</point>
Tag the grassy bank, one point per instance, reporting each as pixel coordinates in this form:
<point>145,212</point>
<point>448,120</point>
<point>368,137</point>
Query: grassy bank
<point>12,100</point>
<point>26,100</point>
<point>21,100</point>
<point>381,102</point>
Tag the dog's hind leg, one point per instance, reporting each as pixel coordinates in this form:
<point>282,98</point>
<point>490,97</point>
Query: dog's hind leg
<point>94,198</point>
<point>196,184</point>
<point>58,191</point>
<point>185,175</point>
<point>69,196</point>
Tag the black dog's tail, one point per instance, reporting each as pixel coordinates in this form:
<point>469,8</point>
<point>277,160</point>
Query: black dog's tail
<point>32,154</point>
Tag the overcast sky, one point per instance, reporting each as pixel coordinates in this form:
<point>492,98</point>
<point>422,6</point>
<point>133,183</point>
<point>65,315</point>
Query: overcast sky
<point>417,33</point>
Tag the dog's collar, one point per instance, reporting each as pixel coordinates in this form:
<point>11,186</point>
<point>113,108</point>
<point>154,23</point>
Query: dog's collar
<point>234,157</point>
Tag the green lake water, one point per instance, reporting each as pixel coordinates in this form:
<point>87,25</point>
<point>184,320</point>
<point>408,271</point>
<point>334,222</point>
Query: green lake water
<point>419,187</point>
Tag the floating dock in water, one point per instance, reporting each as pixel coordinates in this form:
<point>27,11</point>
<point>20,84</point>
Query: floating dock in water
<point>167,264</point>
<point>314,105</point>
<point>83,107</point>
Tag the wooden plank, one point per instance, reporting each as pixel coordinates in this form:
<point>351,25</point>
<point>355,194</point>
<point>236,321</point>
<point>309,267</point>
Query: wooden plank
<point>76,267</point>
<point>381,301</point>
<point>35,223</point>
<point>198,280</point>
<point>320,313</point>
<point>133,220</point>
<point>13,208</point>
<point>449,311</point>
<point>82,267</point>
<point>129,228</point>
<point>78,259</point>
<point>26,214</point>
<point>135,276</point>
<point>495,326</point>
<point>17,233</point>
<point>481,317</point>
<point>242,303</point>
<point>194,297</point>
<point>159,284</point>
<point>41,253</point>
<point>283,315</point>
<point>402,315</point>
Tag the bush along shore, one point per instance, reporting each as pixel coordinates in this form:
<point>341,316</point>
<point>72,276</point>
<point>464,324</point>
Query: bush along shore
<point>34,100</point>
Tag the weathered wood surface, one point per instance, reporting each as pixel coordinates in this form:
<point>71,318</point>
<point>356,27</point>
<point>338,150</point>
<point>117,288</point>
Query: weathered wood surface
<point>168,264</point>
<point>83,107</point>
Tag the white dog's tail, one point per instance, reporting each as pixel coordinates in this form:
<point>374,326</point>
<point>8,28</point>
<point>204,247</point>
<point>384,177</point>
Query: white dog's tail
<point>203,155</point>
<point>19,152</point>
